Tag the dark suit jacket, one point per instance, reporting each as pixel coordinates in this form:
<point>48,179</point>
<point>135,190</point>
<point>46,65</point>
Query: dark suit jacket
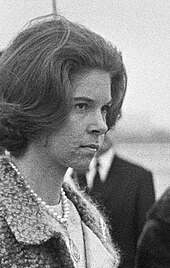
<point>154,243</point>
<point>126,195</point>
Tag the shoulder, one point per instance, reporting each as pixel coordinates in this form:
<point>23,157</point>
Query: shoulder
<point>153,245</point>
<point>161,208</point>
<point>130,165</point>
<point>132,172</point>
<point>157,227</point>
<point>155,236</point>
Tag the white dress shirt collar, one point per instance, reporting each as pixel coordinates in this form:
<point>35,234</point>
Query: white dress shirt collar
<point>105,161</point>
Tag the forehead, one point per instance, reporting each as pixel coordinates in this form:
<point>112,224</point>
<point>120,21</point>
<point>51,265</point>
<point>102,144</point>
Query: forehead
<point>94,84</point>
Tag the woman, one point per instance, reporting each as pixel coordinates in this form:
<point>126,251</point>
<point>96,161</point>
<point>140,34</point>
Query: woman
<point>61,88</point>
<point>154,243</point>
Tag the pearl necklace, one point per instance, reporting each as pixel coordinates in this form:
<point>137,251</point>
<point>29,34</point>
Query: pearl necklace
<point>65,205</point>
<point>61,219</point>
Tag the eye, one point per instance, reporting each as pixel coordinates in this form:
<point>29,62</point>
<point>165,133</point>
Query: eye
<point>81,106</point>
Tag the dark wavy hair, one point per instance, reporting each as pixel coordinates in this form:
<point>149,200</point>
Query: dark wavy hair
<point>36,75</point>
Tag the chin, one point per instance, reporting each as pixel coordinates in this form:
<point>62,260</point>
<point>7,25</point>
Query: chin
<point>81,166</point>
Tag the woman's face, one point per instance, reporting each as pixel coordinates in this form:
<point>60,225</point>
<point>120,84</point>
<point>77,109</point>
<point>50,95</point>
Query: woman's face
<point>76,143</point>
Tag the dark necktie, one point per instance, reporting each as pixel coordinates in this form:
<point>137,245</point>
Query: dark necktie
<point>96,190</point>
<point>96,183</point>
<point>82,181</point>
<point>97,180</point>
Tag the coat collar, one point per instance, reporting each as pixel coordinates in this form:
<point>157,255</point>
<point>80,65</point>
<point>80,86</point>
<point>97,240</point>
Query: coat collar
<point>28,220</point>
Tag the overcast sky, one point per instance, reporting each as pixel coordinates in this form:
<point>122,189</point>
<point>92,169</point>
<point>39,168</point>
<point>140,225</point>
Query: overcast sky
<point>140,29</point>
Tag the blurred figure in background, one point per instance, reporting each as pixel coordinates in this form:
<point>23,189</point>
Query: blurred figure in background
<point>154,242</point>
<point>125,191</point>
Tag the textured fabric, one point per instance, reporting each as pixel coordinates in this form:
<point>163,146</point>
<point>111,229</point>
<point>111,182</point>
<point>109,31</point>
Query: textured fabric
<point>28,238</point>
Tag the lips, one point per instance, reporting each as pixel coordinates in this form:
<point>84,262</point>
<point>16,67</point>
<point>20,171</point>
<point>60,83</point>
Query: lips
<point>91,146</point>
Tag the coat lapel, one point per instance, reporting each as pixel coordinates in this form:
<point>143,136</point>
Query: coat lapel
<point>98,246</point>
<point>97,256</point>
<point>28,220</point>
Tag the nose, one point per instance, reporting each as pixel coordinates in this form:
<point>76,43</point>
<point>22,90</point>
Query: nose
<point>97,124</point>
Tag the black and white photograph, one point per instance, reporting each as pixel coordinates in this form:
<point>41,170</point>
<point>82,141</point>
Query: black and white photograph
<point>84,134</point>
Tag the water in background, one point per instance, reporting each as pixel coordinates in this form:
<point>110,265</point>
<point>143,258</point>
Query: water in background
<point>154,156</point>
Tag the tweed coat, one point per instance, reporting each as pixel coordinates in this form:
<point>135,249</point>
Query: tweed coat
<point>27,239</point>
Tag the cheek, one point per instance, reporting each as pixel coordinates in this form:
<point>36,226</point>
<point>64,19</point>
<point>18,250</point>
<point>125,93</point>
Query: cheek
<point>71,134</point>
<point>75,128</point>
<point>64,140</point>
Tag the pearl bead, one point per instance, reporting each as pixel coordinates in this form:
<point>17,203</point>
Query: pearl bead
<point>62,220</point>
<point>39,200</point>
<point>50,211</point>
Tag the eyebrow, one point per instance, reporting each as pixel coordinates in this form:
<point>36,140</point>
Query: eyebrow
<point>110,102</point>
<point>83,99</point>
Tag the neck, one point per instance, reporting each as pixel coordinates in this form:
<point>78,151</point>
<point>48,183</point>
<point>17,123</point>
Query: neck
<point>44,177</point>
